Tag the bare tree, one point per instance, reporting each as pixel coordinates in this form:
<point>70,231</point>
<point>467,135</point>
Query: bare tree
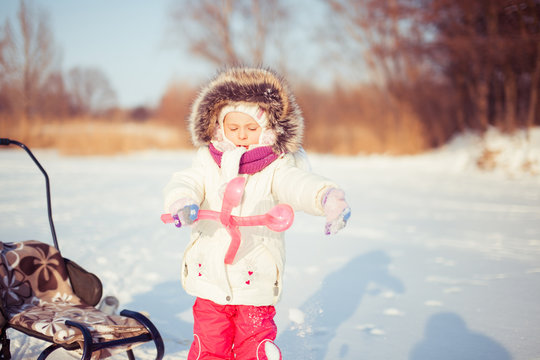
<point>53,99</point>
<point>90,91</point>
<point>27,58</point>
<point>376,32</point>
<point>381,36</point>
<point>7,68</point>
<point>459,63</point>
<point>492,48</point>
<point>227,32</point>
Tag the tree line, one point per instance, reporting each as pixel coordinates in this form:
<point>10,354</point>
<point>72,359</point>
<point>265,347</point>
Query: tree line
<point>434,68</point>
<point>32,81</point>
<point>407,75</point>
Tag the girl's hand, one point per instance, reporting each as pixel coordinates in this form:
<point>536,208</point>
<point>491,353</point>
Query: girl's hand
<point>184,212</point>
<point>336,210</point>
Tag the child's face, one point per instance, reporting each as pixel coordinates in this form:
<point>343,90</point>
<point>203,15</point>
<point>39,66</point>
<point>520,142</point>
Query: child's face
<point>241,129</point>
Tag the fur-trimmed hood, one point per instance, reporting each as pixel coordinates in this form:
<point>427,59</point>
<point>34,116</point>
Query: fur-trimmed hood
<point>255,86</point>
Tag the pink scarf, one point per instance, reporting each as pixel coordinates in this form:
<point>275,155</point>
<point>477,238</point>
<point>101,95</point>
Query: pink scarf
<point>252,161</point>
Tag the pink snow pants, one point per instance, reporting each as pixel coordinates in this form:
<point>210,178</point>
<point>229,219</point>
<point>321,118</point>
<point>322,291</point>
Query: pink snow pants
<point>233,332</point>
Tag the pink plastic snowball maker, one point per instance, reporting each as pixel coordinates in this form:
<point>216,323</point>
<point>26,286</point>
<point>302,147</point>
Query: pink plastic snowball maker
<point>279,218</point>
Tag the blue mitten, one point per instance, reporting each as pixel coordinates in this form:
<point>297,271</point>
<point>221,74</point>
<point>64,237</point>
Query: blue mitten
<point>184,212</point>
<point>336,210</point>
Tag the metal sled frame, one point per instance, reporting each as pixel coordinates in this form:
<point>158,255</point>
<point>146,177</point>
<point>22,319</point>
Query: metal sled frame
<point>88,347</point>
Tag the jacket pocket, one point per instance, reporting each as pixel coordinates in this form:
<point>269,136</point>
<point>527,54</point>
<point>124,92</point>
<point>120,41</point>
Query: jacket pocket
<point>277,284</point>
<point>185,271</point>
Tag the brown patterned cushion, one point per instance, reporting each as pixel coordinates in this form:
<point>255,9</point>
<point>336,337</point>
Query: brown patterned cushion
<point>36,296</point>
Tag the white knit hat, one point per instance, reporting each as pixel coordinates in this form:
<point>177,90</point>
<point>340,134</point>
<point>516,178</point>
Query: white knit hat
<point>252,110</point>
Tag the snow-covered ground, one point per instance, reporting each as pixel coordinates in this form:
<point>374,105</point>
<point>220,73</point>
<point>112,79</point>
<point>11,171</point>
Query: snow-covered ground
<point>440,260</point>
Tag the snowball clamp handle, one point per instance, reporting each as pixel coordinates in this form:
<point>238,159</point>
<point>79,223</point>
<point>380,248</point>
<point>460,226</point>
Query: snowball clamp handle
<point>279,218</point>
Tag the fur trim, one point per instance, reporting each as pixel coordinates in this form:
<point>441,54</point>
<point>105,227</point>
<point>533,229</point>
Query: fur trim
<point>249,86</point>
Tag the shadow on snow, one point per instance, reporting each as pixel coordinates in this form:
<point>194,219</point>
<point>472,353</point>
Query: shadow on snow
<point>164,303</point>
<point>448,338</point>
<point>336,301</point>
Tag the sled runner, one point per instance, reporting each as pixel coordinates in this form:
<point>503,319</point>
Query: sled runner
<point>49,297</point>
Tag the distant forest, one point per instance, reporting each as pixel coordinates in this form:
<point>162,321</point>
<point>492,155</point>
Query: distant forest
<point>413,74</point>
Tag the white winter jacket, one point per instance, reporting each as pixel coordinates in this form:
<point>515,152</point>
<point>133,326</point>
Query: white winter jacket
<point>255,276</point>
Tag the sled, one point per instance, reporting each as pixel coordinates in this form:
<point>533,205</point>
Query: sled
<point>51,298</point>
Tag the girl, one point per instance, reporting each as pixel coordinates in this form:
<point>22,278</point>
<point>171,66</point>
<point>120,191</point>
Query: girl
<point>246,122</point>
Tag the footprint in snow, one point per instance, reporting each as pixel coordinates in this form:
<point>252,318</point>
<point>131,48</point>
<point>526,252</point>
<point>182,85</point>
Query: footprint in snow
<point>433,303</point>
<point>452,290</point>
<point>393,312</point>
<point>370,329</point>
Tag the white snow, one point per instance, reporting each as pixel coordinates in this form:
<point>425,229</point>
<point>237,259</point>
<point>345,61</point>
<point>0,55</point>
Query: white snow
<point>440,259</point>
<point>297,316</point>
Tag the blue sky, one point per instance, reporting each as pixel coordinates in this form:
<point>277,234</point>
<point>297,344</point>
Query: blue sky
<point>126,39</point>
